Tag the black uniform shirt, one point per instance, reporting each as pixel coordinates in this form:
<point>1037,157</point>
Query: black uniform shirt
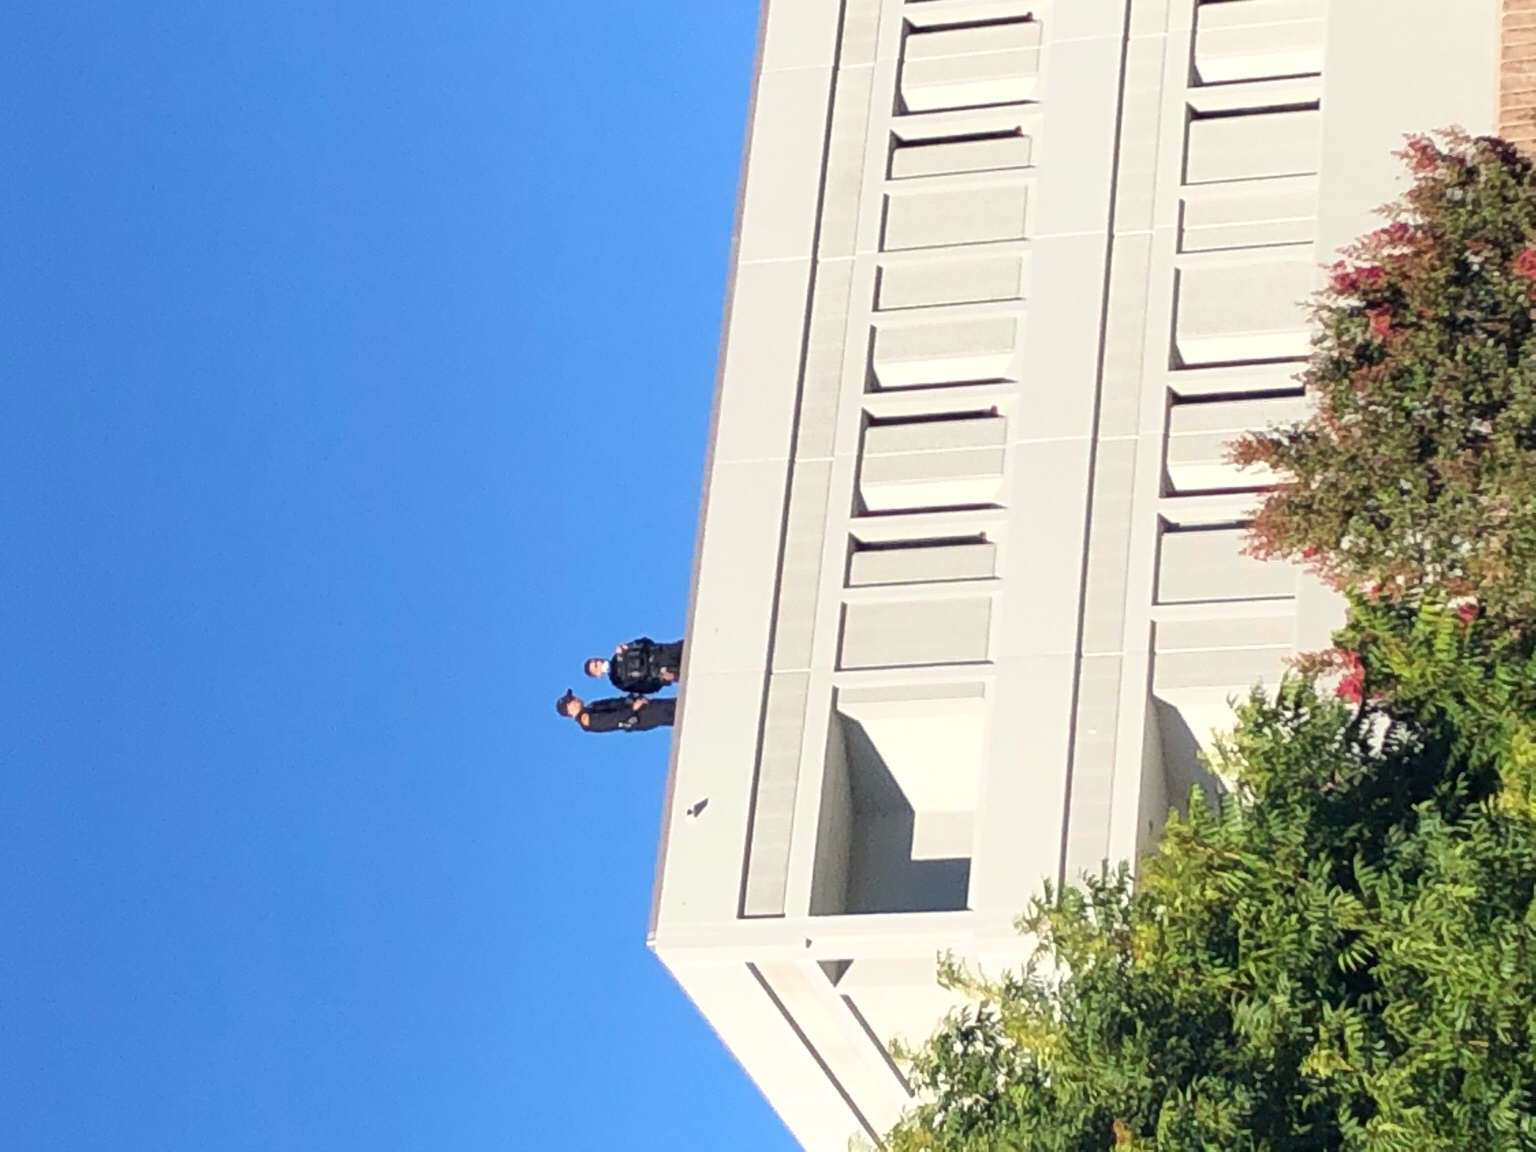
<point>618,714</point>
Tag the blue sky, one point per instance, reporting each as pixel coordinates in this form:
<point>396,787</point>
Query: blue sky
<point>355,363</point>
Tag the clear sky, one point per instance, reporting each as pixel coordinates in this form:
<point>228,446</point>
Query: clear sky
<point>355,365</point>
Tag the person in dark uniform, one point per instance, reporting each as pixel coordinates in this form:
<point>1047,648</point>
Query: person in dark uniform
<point>641,667</point>
<point>617,713</point>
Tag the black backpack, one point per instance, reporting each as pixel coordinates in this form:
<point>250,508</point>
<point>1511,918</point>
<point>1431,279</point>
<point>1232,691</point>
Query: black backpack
<point>636,664</point>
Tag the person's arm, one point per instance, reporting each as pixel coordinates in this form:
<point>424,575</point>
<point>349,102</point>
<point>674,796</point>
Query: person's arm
<point>639,687</point>
<point>669,657</point>
<point>606,715</point>
<point>658,713</point>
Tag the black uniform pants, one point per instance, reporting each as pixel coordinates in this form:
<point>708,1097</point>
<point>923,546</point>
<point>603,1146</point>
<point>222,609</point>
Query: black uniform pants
<point>670,657</point>
<point>657,712</point>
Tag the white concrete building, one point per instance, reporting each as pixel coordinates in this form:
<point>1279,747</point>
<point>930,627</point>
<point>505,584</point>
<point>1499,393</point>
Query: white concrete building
<point>968,589</point>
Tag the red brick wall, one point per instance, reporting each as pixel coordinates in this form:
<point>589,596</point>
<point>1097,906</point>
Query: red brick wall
<point>1517,73</point>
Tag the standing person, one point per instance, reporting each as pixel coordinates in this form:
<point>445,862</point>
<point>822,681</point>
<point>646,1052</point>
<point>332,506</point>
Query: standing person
<point>641,667</point>
<point>617,713</point>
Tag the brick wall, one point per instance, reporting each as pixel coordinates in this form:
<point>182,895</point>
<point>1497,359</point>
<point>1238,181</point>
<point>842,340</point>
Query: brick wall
<point>1517,73</point>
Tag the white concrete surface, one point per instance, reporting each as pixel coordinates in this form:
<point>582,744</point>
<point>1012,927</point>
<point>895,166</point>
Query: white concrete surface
<point>969,595</point>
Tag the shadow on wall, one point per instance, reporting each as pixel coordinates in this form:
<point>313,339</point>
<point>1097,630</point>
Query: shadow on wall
<point>876,851</point>
<point>888,875</point>
<point>1183,767</point>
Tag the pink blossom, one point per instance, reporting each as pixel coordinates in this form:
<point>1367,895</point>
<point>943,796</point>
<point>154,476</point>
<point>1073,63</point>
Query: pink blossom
<point>1394,235</point>
<point>1381,322</point>
<point>1351,684</point>
<point>1355,279</point>
<point>1467,611</point>
<point>1309,551</point>
<point>1524,264</point>
<point>1421,154</point>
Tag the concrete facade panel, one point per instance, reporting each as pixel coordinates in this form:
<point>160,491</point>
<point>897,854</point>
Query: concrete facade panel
<point>761,353</point>
<point>1209,564</point>
<point>1255,310</point>
<point>1023,788</point>
<point>1259,39</point>
<point>784,158</point>
<point>1274,630</point>
<point>849,1054</point>
<point>1078,147</point>
<point>923,565</point>
<point>955,350</point>
<point>1109,543</point>
<point>992,63</point>
<point>935,218</point>
<point>733,615</point>
<point>898,997</point>
<point>841,189</point>
<point>773,798</point>
<point>958,279</point>
<point>800,570</point>
<point>701,887</point>
<point>799,34</point>
<point>1140,133</point>
<point>1258,146</point>
<point>906,634</point>
<point>826,348</point>
<point>1250,216</point>
<point>1200,435</point>
<point>1443,72</point>
<point>929,158</point>
<point>1232,671</point>
<point>1093,763</point>
<point>755,1031</point>
<point>970,599</point>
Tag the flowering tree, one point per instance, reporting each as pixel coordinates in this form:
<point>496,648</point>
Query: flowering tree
<point>1340,956</point>
<point>1419,466</point>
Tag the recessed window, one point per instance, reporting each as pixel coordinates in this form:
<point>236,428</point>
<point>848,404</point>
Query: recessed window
<point>931,561</point>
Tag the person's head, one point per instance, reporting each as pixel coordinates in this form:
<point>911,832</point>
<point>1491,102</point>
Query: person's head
<point>569,704</point>
<point>596,666</point>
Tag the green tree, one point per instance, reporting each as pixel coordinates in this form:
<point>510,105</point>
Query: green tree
<point>1339,957</point>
